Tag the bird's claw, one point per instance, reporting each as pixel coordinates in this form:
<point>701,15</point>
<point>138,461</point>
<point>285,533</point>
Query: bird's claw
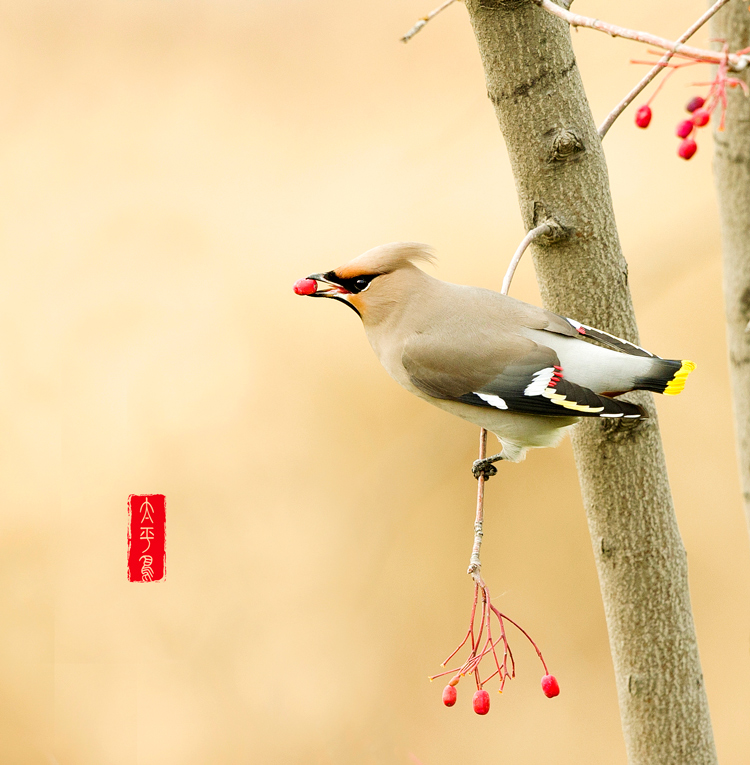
<point>485,467</point>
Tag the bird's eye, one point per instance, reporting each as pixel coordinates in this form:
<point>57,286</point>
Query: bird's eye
<point>361,284</point>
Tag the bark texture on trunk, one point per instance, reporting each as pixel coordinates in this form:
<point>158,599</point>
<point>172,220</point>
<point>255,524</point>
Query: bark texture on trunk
<point>560,172</point>
<point>732,175</point>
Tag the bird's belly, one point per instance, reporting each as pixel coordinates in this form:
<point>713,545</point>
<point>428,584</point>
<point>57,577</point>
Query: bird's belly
<point>524,430</point>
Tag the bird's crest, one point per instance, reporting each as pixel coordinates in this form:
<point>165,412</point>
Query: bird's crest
<point>387,258</point>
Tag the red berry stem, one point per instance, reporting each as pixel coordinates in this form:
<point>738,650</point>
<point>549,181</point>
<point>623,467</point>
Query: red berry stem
<point>672,69</point>
<point>529,638</point>
<point>469,632</point>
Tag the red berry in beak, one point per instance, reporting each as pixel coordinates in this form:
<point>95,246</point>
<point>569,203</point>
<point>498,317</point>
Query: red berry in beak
<point>701,117</point>
<point>643,116</point>
<point>685,128</point>
<point>305,286</point>
<point>695,103</point>
<point>687,148</point>
<point>449,695</point>
<point>550,686</point>
<point>481,702</point>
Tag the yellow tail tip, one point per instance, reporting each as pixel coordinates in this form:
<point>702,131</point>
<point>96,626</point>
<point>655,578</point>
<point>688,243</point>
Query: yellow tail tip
<point>677,384</point>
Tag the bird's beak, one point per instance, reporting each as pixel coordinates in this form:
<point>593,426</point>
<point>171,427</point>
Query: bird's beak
<point>325,287</point>
<point>316,285</point>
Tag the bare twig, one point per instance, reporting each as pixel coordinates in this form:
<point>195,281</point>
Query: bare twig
<point>541,230</point>
<point>475,566</point>
<point>620,108</point>
<point>431,15</point>
<point>737,62</point>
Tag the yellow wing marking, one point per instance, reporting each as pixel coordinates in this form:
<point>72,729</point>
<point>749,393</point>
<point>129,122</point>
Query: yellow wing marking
<point>561,400</point>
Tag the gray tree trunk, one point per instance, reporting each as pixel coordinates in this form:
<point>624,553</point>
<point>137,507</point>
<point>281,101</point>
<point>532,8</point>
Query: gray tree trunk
<point>534,83</point>
<point>732,175</point>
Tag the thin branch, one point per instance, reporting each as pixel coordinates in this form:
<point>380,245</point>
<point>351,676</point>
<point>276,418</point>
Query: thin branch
<point>541,230</point>
<point>736,61</point>
<point>431,15</point>
<point>620,108</point>
<point>475,566</point>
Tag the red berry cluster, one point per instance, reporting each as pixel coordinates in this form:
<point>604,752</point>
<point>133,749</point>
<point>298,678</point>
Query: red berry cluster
<point>481,700</point>
<point>700,108</point>
<point>700,118</point>
<point>685,129</point>
<point>495,649</point>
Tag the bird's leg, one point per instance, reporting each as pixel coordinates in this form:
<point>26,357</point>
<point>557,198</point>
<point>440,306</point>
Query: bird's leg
<point>485,467</point>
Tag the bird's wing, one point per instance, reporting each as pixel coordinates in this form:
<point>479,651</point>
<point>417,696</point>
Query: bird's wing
<point>533,317</point>
<point>509,373</point>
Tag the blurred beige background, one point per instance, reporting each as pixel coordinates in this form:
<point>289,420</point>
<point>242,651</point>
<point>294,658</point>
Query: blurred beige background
<point>169,169</point>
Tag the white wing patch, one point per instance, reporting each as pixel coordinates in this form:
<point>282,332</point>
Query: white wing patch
<point>540,381</point>
<point>543,384</point>
<point>495,401</point>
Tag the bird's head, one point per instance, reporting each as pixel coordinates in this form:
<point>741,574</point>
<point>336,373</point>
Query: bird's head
<point>373,283</point>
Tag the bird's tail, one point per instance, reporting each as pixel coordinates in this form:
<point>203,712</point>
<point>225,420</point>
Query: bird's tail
<point>666,376</point>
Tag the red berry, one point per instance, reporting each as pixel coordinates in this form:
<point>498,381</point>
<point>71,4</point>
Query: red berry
<point>701,117</point>
<point>643,116</point>
<point>305,286</point>
<point>687,148</point>
<point>481,702</point>
<point>685,128</point>
<point>550,686</point>
<point>695,103</point>
<point>449,695</point>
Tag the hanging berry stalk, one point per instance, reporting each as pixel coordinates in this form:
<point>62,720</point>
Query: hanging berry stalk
<point>483,644</point>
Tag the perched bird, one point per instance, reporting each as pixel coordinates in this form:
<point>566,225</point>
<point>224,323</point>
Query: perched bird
<point>523,373</point>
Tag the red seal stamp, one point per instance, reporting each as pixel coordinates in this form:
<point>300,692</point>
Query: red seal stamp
<point>147,536</point>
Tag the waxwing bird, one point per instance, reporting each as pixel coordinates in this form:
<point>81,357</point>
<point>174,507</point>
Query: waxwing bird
<point>523,373</point>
